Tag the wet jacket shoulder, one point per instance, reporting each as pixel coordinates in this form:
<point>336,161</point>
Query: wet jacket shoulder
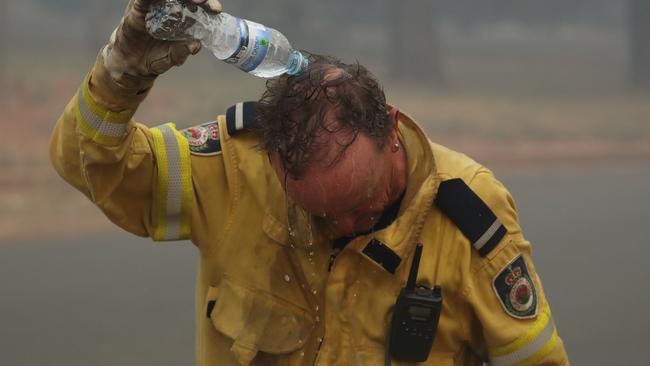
<point>510,321</point>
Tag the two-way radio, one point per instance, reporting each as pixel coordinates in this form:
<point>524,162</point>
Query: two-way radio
<point>415,317</point>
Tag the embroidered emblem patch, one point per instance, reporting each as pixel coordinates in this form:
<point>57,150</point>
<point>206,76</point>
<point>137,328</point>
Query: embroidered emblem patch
<point>516,290</point>
<point>203,139</point>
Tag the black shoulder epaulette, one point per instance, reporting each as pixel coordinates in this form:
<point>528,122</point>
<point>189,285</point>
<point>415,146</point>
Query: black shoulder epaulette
<point>241,116</point>
<point>470,214</point>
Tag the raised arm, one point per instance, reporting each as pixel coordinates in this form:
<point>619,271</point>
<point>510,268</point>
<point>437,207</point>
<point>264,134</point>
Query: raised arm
<point>138,176</point>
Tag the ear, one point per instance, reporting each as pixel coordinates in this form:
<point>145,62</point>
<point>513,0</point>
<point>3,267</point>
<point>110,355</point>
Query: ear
<point>393,114</point>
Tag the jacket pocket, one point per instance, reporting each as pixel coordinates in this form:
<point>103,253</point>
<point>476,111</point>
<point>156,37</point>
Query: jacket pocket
<point>257,321</point>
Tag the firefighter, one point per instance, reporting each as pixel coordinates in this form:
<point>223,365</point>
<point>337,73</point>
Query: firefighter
<point>306,208</point>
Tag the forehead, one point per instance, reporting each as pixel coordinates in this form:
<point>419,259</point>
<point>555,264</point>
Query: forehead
<point>337,183</point>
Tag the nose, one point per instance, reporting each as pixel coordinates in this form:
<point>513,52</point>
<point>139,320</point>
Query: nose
<point>345,225</point>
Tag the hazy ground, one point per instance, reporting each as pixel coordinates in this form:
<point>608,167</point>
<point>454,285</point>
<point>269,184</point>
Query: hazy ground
<point>109,298</point>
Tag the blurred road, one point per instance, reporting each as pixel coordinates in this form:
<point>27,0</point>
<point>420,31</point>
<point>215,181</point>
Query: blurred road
<point>119,300</point>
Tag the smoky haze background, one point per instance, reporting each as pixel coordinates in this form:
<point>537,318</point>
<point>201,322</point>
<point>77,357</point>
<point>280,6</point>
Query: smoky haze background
<point>552,95</point>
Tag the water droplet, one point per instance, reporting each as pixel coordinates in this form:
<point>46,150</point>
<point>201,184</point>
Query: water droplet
<point>372,218</point>
<point>355,295</point>
<point>317,318</point>
<point>287,278</point>
<point>311,253</point>
<point>313,291</point>
<point>302,353</point>
<point>310,243</point>
<point>316,307</point>
<point>320,339</point>
<point>300,341</point>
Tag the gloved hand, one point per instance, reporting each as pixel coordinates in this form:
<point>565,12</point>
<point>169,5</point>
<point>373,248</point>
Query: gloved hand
<point>134,58</point>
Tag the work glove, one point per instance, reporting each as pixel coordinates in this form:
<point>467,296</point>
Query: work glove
<point>134,58</point>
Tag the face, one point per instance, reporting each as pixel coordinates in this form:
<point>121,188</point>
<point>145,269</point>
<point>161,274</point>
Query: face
<point>350,194</point>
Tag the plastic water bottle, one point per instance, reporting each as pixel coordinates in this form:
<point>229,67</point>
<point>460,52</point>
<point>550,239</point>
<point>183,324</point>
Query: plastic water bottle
<point>250,46</point>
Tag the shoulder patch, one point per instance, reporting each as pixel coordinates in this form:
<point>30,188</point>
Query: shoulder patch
<point>241,116</point>
<point>470,214</point>
<point>516,290</point>
<point>204,139</point>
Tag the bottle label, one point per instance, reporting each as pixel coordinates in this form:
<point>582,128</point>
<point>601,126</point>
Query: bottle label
<point>253,46</point>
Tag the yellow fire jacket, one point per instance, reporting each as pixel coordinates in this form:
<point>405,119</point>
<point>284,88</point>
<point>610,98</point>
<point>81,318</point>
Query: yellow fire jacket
<point>269,290</point>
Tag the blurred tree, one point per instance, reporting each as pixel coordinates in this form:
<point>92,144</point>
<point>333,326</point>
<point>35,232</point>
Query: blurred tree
<point>4,28</point>
<point>639,43</point>
<point>293,20</point>
<point>471,13</point>
<point>414,48</point>
<point>97,24</point>
<point>80,6</point>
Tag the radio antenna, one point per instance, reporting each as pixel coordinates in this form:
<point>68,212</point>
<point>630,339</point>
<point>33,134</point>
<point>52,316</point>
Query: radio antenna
<point>415,265</point>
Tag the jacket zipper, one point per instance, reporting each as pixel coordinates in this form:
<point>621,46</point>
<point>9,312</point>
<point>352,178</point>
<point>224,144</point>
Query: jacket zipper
<point>320,344</point>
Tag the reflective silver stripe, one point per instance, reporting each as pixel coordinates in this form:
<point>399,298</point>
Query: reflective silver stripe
<point>175,183</point>
<point>487,235</point>
<point>102,127</point>
<point>239,116</point>
<point>529,349</point>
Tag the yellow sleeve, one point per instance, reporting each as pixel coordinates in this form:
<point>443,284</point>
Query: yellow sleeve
<point>139,177</point>
<point>506,293</point>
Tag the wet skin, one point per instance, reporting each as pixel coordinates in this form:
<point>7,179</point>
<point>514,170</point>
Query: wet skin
<point>350,192</point>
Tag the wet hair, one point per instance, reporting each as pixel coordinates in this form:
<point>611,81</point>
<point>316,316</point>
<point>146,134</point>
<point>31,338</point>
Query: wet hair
<point>295,111</point>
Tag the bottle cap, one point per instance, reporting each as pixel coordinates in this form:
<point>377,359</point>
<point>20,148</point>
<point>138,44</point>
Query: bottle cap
<point>298,63</point>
